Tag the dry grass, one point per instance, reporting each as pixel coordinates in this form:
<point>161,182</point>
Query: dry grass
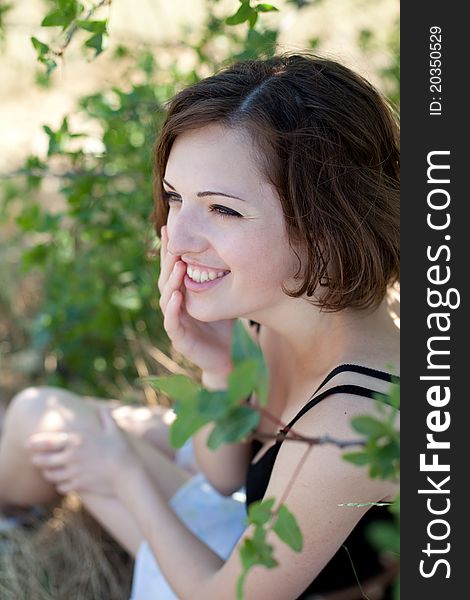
<point>67,556</point>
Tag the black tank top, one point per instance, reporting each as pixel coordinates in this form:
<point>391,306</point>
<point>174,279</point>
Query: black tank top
<point>339,572</point>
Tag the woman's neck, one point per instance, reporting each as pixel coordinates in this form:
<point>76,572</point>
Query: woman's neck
<point>313,342</point>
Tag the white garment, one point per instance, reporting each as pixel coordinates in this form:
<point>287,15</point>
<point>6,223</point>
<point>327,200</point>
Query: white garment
<point>216,520</point>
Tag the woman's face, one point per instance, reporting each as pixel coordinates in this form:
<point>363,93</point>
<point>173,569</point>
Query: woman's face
<point>242,231</point>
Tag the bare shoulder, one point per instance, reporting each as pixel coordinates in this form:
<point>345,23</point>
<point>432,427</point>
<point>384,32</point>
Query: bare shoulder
<point>323,463</point>
<point>315,484</point>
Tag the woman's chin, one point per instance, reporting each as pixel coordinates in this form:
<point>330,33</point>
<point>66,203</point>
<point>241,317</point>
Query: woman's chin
<point>203,314</point>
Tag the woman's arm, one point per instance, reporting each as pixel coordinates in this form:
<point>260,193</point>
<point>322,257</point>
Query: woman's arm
<point>226,467</point>
<point>324,481</point>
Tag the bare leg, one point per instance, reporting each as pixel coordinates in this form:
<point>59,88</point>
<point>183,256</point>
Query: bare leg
<point>54,409</point>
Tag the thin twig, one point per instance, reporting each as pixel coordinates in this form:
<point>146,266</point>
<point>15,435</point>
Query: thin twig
<point>312,441</point>
<point>161,358</point>
<point>140,365</point>
<point>289,486</point>
<point>73,29</point>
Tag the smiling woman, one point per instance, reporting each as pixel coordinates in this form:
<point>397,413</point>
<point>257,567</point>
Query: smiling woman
<point>277,202</point>
<point>215,157</point>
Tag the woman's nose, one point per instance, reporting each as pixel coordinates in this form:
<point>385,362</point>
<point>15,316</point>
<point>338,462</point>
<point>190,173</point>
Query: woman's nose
<point>184,236</point>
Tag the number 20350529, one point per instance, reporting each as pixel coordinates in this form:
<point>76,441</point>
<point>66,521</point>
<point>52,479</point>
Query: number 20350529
<point>435,70</point>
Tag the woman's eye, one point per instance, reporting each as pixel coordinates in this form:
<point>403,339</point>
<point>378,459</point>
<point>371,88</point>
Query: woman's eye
<point>168,196</point>
<point>222,211</point>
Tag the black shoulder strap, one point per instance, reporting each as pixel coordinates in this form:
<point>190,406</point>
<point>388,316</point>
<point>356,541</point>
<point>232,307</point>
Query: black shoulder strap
<point>357,390</point>
<point>357,369</point>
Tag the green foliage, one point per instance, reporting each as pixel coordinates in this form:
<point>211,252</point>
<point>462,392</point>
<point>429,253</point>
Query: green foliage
<point>99,291</point>
<point>252,374</point>
<point>288,530</point>
<point>249,13</point>
<point>255,550</point>
<point>66,15</point>
<point>5,8</point>
<point>43,55</point>
<point>99,30</point>
<point>93,252</point>
<point>382,448</point>
<point>381,454</point>
<point>63,14</point>
<point>196,406</point>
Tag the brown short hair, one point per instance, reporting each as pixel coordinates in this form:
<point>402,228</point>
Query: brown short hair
<point>328,143</point>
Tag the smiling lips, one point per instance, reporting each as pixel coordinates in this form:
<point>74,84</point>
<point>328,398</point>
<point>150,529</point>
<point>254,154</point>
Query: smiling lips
<point>200,275</point>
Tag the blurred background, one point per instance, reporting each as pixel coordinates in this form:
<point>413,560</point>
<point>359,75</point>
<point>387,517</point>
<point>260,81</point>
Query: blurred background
<point>84,86</point>
<point>78,301</point>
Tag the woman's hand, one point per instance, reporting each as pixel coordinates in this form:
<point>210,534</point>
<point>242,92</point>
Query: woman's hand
<point>92,462</point>
<point>208,345</point>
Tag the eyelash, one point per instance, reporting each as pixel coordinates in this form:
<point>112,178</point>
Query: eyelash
<point>219,210</point>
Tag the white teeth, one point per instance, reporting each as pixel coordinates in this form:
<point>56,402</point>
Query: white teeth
<point>202,276</point>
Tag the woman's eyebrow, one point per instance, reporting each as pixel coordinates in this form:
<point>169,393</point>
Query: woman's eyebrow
<point>207,193</point>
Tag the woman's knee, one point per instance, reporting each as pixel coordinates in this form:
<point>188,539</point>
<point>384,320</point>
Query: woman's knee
<point>42,408</point>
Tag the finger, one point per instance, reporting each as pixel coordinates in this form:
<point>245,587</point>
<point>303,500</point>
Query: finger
<point>57,475</point>
<point>47,441</point>
<point>166,265</point>
<point>174,283</point>
<point>167,262</point>
<point>172,320</point>
<point>50,460</point>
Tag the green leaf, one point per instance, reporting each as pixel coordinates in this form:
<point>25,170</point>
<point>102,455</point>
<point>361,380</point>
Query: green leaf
<point>244,13</point>
<point>384,536</point>
<point>93,26</point>
<point>242,380</point>
<point>248,554</point>
<point>370,426</point>
<point>35,256</point>
<point>238,423</point>
<point>260,512</point>
<point>264,550</point>
<point>357,458</point>
<point>57,18</point>
<point>385,460</point>
<point>243,346</point>
<point>314,42</point>
<point>395,508</point>
<point>177,387</point>
<point>30,217</point>
<point>240,582</point>
<point>185,425</point>
<point>39,46</point>
<point>67,11</point>
<point>265,8</point>
<point>256,551</point>
<point>213,405</point>
<point>394,396</point>
<point>96,42</point>
<point>262,384</point>
<point>288,529</point>
<point>252,19</point>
